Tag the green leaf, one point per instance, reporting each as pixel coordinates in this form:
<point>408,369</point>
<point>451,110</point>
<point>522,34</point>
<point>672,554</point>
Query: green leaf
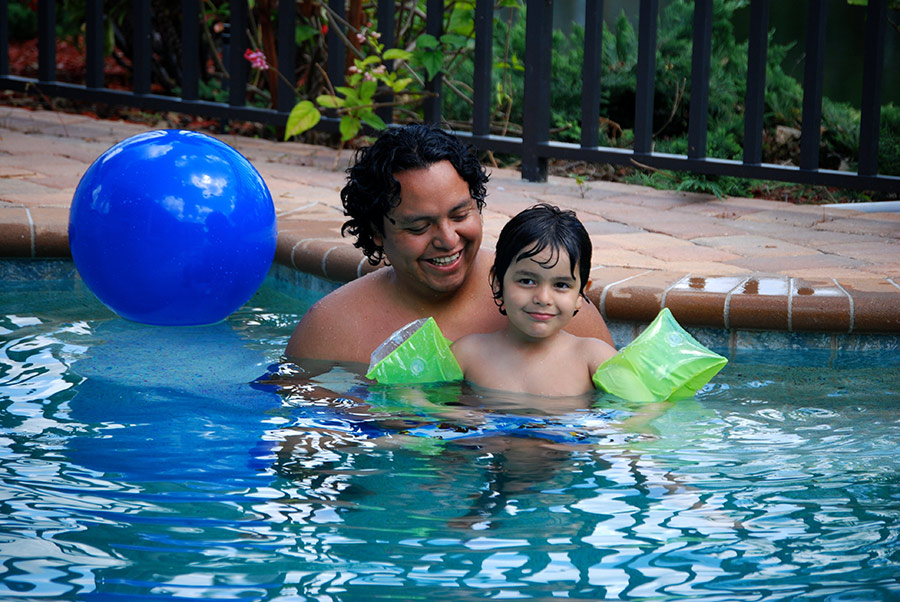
<point>426,41</point>
<point>349,127</point>
<point>454,41</point>
<point>401,84</point>
<point>373,120</point>
<point>369,60</point>
<point>367,90</point>
<point>330,102</point>
<point>397,53</point>
<point>351,95</point>
<point>433,61</point>
<point>304,116</point>
<point>304,33</point>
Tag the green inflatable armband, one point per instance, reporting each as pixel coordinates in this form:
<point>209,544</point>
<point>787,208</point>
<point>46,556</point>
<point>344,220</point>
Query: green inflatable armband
<point>416,353</point>
<point>663,362</point>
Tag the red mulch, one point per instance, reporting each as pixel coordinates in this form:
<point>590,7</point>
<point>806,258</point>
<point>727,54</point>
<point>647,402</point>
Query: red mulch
<point>70,64</point>
<point>70,67</point>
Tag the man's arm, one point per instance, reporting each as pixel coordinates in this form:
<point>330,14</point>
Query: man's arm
<point>314,337</point>
<point>345,325</point>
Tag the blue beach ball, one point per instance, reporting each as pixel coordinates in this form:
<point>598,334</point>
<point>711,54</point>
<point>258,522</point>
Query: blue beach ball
<point>172,227</point>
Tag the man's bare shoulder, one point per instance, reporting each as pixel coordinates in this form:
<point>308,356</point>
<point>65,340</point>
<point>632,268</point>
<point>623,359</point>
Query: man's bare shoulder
<point>589,323</point>
<point>332,327</point>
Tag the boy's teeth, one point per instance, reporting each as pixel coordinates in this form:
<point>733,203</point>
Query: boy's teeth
<point>444,260</point>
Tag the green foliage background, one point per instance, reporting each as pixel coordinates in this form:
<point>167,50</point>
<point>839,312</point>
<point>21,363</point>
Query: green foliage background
<point>783,97</point>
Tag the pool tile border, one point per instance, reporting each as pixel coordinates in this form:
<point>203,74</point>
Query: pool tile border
<point>755,302</point>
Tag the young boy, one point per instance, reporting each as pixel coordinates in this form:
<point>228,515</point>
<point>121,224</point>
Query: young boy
<point>541,267</point>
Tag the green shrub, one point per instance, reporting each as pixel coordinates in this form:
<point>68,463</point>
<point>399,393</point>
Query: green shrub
<point>23,21</point>
<point>889,143</point>
<point>783,100</point>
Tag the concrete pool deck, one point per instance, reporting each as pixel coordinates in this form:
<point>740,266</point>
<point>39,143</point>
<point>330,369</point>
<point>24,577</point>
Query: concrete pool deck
<point>732,263</point>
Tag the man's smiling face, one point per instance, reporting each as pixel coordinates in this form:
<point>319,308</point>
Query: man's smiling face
<point>432,237</point>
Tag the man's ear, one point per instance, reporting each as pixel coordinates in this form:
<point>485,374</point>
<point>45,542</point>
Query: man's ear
<point>378,235</point>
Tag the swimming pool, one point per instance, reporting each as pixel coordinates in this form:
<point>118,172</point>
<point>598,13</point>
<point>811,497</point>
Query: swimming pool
<point>142,462</point>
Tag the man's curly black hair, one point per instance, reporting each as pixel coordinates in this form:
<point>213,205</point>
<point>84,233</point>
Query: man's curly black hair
<point>372,191</point>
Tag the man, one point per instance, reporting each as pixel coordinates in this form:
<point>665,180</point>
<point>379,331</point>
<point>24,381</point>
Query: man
<point>415,199</point>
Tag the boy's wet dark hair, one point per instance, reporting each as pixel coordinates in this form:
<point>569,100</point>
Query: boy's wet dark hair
<point>372,191</point>
<point>535,229</point>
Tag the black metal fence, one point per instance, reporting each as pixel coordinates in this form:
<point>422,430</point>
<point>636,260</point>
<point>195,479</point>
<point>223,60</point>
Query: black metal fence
<point>535,146</point>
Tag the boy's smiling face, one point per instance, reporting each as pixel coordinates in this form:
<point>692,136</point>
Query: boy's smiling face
<point>541,299</point>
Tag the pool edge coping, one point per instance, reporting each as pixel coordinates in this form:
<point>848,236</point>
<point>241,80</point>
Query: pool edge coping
<point>753,301</point>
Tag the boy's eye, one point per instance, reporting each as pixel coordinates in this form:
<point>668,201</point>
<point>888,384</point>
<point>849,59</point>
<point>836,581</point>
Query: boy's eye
<point>526,281</point>
<point>417,229</point>
<point>563,285</point>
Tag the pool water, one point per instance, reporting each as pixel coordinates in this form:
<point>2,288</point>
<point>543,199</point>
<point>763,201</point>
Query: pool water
<point>143,462</point>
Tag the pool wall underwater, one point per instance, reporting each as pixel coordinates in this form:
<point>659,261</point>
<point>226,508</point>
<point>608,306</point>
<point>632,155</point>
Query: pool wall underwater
<point>824,349</point>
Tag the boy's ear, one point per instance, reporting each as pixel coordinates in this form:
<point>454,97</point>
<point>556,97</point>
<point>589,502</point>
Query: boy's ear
<point>578,302</point>
<point>495,286</point>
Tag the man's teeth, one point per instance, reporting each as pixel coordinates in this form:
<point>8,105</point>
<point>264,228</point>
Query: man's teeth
<point>444,260</point>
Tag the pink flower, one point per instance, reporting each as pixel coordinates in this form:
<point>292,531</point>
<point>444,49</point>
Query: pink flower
<point>257,59</point>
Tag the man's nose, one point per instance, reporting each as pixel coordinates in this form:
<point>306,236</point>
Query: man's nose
<point>446,236</point>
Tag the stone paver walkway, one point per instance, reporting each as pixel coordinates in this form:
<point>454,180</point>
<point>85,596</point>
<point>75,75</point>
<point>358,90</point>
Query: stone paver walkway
<point>734,263</point>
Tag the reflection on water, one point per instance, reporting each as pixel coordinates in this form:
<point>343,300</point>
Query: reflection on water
<point>141,462</point>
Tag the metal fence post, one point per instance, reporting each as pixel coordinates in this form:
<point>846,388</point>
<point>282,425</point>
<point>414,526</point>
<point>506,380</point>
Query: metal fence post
<point>754,98</point>
<point>386,29</point>
<point>481,78</point>
<point>287,21</point>
<point>536,101</point>
<point>646,75</point>
<point>434,25</point>
<point>46,40</point>
<point>93,37</point>
<point>337,54</point>
<point>142,53</point>
<point>190,49</point>
<point>873,69</point>
<point>700,51</point>
<point>591,70</point>
<point>4,38</point>
<point>813,77</point>
<point>238,67</point>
